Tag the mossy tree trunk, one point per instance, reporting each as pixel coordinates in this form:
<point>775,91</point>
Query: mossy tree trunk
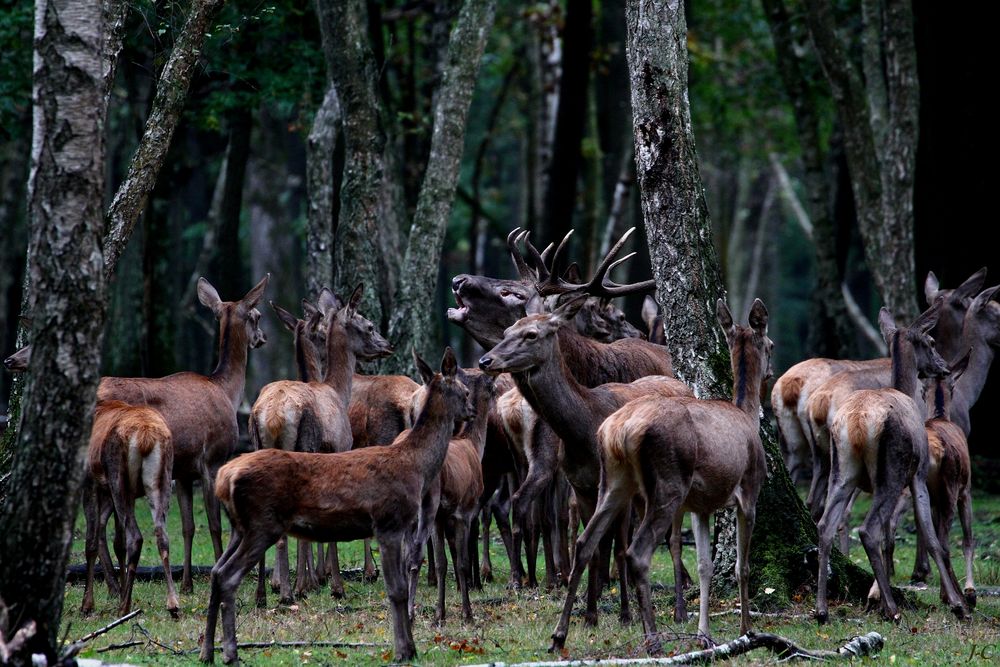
<point>66,272</point>
<point>411,322</point>
<point>686,269</point>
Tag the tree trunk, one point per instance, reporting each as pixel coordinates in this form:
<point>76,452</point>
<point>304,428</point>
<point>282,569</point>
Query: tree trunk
<point>411,322</point>
<point>879,115</point>
<point>228,272</point>
<point>830,332</point>
<point>322,191</point>
<point>65,269</point>
<point>686,269</point>
<point>171,94</point>
<point>351,65</point>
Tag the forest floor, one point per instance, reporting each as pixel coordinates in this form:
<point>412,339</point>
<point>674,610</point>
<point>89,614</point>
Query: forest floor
<point>514,626</point>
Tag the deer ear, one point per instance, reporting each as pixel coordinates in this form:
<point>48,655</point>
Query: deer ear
<point>984,297</point>
<point>535,306</point>
<point>758,317</point>
<point>26,321</point>
<point>426,372</point>
<point>724,316</point>
<point>650,310</point>
<point>566,312</point>
<point>355,300</point>
<point>449,366</point>
<point>960,366</point>
<point>256,293</point>
<point>931,287</point>
<point>886,324</point>
<point>970,288</point>
<point>927,319</point>
<point>308,309</point>
<point>329,301</point>
<point>209,297</point>
<point>289,320</point>
<point>572,273</point>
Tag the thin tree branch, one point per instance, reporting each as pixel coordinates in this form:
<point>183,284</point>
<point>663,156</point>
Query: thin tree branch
<point>789,197</point>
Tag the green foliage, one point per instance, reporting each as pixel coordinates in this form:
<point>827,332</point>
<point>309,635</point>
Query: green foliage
<point>16,25</point>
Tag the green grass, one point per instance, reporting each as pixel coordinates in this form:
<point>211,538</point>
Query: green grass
<point>514,626</point>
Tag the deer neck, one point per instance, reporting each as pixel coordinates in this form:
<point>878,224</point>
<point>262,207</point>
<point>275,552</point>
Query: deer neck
<point>904,369</point>
<point>746,385</point>
<point>430,434</point>
<point>475,431</point>
<point>970,385</point>
<point>306,361</point>
<point>230,373</point>
<point>941,408</point>
<point>340,363</point>
<point>555,394</point>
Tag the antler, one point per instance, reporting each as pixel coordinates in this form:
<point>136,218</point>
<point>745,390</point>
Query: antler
<point>600,285</point>
<point>523,271</point>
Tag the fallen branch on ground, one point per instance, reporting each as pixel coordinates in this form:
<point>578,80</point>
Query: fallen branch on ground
<point>785,649</point>
<point>302,644</point>
<point>75,648</point>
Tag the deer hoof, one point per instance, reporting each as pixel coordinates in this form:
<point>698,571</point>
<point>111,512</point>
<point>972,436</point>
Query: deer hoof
<point>970,597</point>
<point>558,642</point>
<point>207,655</point>
<point>706,641</point>
<point>822,617</point>
<point>487,574</point>
<point>187,587</point>
<point>287,600</point>
<point>590,619</point>
<point>959,611</point>
<point>370,576</point>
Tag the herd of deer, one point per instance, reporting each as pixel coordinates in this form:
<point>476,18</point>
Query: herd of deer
<point>571,413</point>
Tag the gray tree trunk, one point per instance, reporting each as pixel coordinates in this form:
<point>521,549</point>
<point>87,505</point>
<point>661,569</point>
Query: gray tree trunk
<point>65,199</point>
<point>171,94</point>
<point>349,61</point>
<point>831,330</point>
<point>686,269</point>
<point>411,321</point>
<point>878,109</point>
<point>322,144</point>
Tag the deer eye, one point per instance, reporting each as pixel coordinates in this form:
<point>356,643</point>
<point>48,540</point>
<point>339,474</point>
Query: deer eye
<point>531,335</point>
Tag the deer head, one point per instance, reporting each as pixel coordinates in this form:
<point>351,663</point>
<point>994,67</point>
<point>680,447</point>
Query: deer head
<point>938,391</point>
<point>530,341</point>
<point>911,348</point>
<point>456,396</point>
<point>982,322</point>
<point>654,321</point>
<point>954,305</point>
<point>482,387</point>
<point>364,339</point>
<point>750,350</point>
<point>232,313</point>
<point>19,361</point>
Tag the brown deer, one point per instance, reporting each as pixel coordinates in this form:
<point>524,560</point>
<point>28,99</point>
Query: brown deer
<point>682,454</point>
<point>655,333</point>
<point>372,492</point>
<point>316,413</point>
<point>460,488</point>
<point>791,392</point>
<point>531,352</point>
<point>130,455</point>
<point>200,410</point>
<point>880,445</point>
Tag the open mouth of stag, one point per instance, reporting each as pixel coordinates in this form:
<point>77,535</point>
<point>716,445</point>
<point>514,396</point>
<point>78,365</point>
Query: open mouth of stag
<point>460,314</point>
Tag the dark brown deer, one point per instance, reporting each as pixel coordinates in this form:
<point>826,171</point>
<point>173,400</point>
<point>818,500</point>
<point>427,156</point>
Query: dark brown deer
<point>655,332</point>
<point>130,455</point>
<point>880,445</point>
<point>682,455</point>
<point>460,488</point>
<point>791,392</point>
<point>200,410</point>
<point>531,352</point>
<point>372,492</point>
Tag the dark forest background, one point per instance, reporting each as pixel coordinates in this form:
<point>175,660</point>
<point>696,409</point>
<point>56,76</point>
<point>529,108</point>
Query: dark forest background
<point>236,170</point>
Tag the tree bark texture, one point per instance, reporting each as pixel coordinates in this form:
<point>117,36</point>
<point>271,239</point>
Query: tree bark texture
<point>878,109</point>
<point>320,147</point>
<point>228,268</point>
<point>65,195</point>
<point>411,322</point>
<point>171,94</point>
<point>831,332</point>
<point>115,16</point>
<point>686,269</point>
<point>349,61</point>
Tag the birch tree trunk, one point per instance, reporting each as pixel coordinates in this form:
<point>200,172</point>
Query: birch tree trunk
<point>411,321</point>
<point>686,269</point>
<point>65,269</point>
<point>321,146</point>
<point>351,65</point>
<point>878,109</point>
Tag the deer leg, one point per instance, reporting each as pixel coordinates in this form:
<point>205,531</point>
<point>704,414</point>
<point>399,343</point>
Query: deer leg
<point>485,564</point>
<point>91,513</point>
<point>282,545</point>
<point>441,562</point>
<point>925,529</point>
<point>609,507</point>
<point>215,600</point>
<point>158,495</point>
<point>818,487</point>
<point>835,506</point>
<point>213,511</point>
<point>104,511</point>
<point>247,553</point>
<point>621,544</point>
<point>873,535</point>
<point>431,563</point>
<point>284,576</point>
<point>561,532</point>
<point>501,514</point>
<point>843,530</point>
<point>890,544</point>
<point>119,543</point>
<point>943,516</point>
<point>301,568</point>
<point>680,608</point>
<point>184,503</point>
<point>390,546</point>
<point>968,543</point>
<point>703,544</point>
<point>462,565</point>
<point>746,515</point>
<point>370,574</point>
<point>472,553</point>
<point>261,595</point>
<point>124,505</point>
<point>336,579</point>
<point>548,552</point>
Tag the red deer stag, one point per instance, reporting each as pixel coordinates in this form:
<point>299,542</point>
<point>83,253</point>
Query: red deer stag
<point>130,455</point>
<point>316,413</point>
<point>460,487</point>
<point>531,352</point>
<point>681,455</point>
<point>200,410</point>
<point>372,492</point>
<point>791,392</point>
<point>880,445</point>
